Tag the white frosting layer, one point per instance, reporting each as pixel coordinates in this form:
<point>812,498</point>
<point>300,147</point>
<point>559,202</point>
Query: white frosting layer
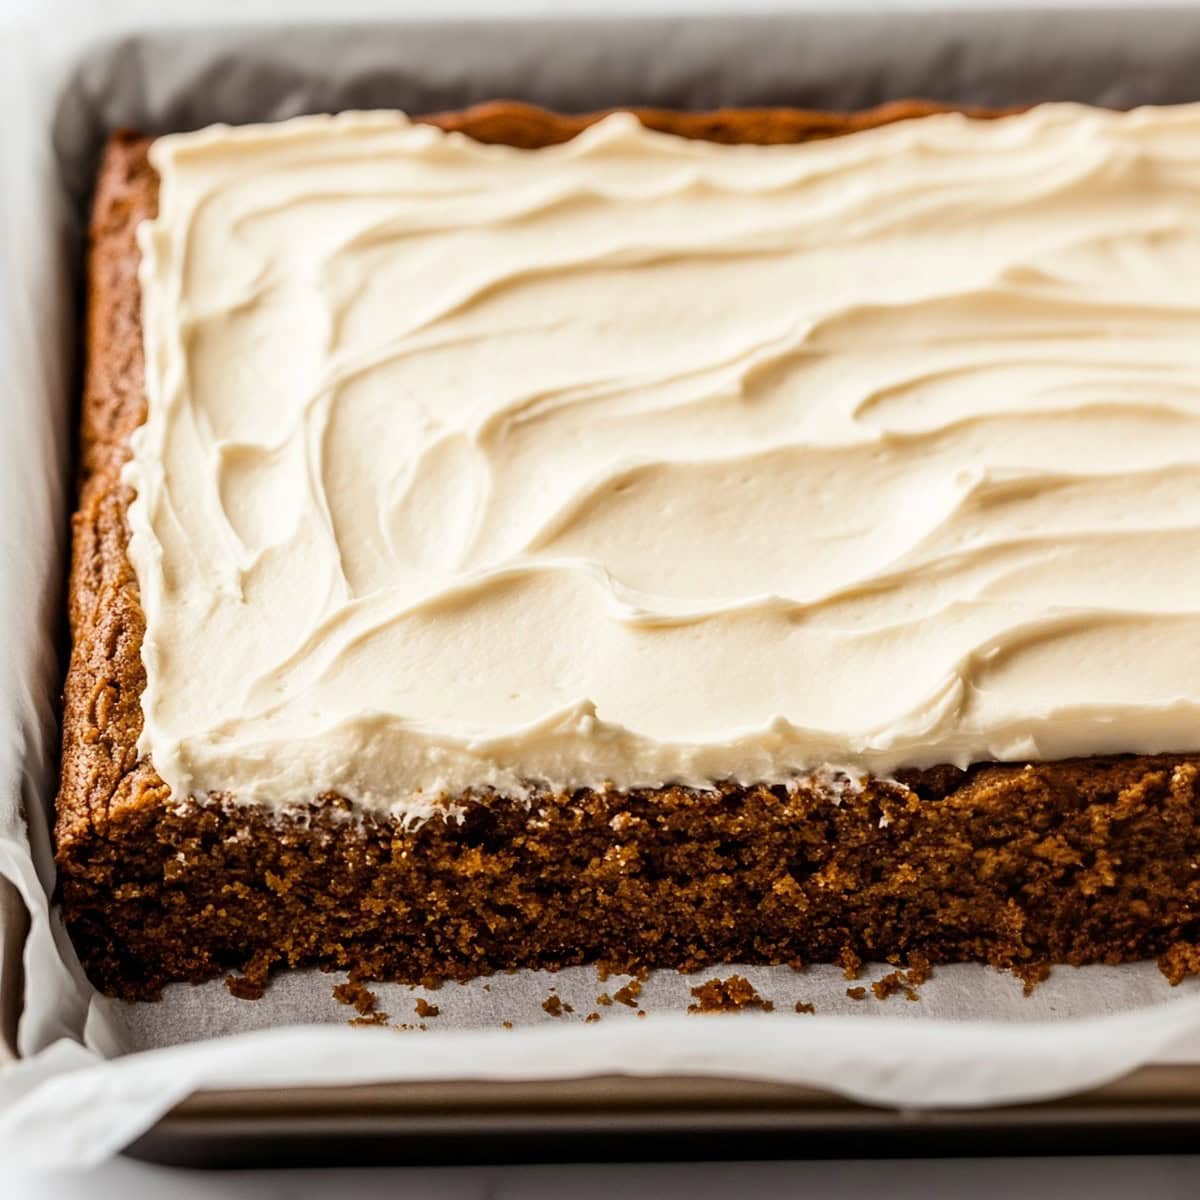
<point>639,460</point>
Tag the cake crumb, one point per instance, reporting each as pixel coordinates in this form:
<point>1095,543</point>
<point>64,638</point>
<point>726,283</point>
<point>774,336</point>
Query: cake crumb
<point>554,1006</point>
<point>641,1012</point>
<point>505,1024</point>
<point>357,994</point>
<point>372,1018</point>
<point>604,998</point>
<point>1178,961</point>
<point>591,1017</point>
<point>916,969</point>
<point>425,1009</point>
<point>1031,974</point>
<point>602,972</point>
<point>628,994</point>
<point>857,993</point>
<point>243,988</point>
<point>919,970</point>
<point>890,984</point>
<point>850,963</point>
<point>728,995</point>
<point>803,1006</point>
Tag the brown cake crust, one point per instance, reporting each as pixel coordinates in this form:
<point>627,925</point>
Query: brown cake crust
<point>1015,865</point>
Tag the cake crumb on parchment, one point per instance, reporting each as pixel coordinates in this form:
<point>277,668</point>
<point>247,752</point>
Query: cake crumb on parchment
<point>728,995</point>
<point>850,963</point>
<point>891,983</point>
<point>357,994</point>
<point>372,1018</point>
<point>242,988</point>
<point>628,994</point>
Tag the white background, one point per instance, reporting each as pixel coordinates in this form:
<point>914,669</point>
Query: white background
<point>1093,1178</point>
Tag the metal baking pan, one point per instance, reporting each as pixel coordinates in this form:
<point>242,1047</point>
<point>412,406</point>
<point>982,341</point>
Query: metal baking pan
<point>819,60</point>
<point>613,1118</point>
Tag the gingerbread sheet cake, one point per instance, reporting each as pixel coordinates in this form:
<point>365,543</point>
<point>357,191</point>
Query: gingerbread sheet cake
<point>509,539</point>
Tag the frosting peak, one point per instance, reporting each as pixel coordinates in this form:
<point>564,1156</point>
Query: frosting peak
<point>636,460</point>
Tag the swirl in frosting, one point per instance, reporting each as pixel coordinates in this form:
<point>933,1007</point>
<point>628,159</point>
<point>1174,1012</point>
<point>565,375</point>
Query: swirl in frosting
<point>640,460</point>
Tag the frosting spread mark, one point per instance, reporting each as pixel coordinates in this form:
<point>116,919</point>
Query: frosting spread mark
<point>638,459</point>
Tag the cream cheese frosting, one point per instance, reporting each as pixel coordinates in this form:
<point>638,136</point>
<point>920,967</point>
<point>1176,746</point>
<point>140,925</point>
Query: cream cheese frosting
<point>640,460</point>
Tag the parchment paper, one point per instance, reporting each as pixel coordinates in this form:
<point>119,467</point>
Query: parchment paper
<point>93,1073</point>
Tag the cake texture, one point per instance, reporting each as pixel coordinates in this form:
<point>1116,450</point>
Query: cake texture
<point>900,855</point>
